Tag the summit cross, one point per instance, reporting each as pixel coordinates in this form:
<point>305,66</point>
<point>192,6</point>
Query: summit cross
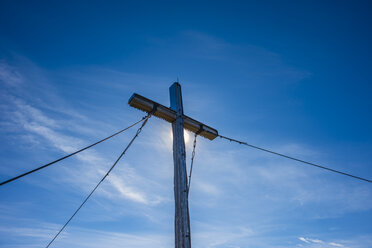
<point>179,121</point>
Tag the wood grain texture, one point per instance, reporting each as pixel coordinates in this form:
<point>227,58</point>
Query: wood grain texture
<point>182,220</point>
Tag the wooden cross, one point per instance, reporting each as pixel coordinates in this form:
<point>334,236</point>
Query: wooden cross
<point>179,121</point>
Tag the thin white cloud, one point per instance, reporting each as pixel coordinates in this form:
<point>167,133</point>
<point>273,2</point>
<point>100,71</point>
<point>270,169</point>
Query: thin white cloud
<point>336,244</point>
<point>304,239</point>
<point>126,191</point>
<point>82,238</point>
<point>9,75</point>
<point>318,241</point>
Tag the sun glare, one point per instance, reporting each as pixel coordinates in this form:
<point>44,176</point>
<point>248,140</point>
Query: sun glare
<point>186,136</point>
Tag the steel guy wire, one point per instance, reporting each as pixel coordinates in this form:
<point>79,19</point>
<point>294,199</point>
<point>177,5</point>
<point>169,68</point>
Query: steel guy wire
<point>71,154</point>
<point>103,178</point>
<point>192,162</point>
<point>296,159</point>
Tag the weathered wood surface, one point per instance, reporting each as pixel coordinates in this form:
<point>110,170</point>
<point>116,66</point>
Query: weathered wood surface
<point>182,220</point>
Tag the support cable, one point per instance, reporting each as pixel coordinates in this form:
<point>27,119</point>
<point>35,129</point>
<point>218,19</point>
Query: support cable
<point>296,159</point>
<point>189,183</point>
<point>71,154</point>
<point>104,177</point>
<point>192,163</point>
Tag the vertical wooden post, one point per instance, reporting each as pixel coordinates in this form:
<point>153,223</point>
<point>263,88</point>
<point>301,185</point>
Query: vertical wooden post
<point>182,221</point>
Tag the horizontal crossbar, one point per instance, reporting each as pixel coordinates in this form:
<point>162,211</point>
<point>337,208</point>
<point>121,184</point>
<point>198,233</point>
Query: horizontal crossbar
<point>168,114</point>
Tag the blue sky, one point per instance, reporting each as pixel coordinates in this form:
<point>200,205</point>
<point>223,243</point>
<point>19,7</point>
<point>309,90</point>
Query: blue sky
<point>288,76</point>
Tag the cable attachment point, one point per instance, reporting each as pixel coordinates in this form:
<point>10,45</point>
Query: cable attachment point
<point>154,108</point>
<point>201,129</point>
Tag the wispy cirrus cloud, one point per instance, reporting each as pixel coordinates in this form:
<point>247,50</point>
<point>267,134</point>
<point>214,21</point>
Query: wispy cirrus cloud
<point>9,75</point>
<point>81,237</point>
<point>227,181</point>
<point>28,119</point>
<point>319,243</point>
